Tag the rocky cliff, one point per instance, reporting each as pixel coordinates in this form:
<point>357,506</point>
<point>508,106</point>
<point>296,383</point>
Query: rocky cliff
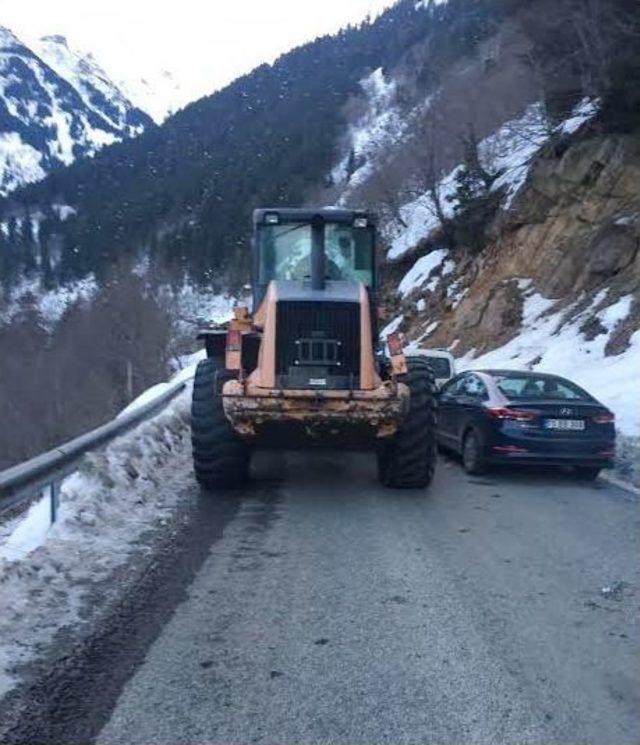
<point>557,286</point>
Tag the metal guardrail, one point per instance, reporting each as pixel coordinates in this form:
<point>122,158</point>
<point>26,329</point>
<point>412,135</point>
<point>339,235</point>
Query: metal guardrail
<point>22,482</point>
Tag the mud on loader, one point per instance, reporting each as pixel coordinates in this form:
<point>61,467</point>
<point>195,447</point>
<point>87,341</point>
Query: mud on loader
<point>305,367</point>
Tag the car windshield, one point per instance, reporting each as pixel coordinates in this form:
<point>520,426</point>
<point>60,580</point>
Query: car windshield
<point>531,386</point>
<point>285,252</point>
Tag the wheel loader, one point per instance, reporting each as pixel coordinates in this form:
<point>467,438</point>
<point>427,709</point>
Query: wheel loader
<point>305,367</point>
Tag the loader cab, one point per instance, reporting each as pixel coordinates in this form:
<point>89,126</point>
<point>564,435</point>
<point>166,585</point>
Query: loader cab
<point>312,247</point>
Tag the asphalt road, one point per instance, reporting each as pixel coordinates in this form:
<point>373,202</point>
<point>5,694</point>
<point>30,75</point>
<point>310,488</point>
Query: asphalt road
<point>324,609</point>
<point>333,610</point>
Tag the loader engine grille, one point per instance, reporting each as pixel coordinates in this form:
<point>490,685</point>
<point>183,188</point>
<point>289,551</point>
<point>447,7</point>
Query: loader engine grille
<point>318,345</point>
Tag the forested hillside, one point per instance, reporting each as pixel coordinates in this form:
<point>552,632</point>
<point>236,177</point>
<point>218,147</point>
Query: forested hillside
<point>434,115</point>
<point>185,191</point>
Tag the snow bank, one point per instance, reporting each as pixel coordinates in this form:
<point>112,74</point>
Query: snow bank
<point>545,344</point>
<point>28,531</point>
<point>186,372</point>
<point>119,493</point>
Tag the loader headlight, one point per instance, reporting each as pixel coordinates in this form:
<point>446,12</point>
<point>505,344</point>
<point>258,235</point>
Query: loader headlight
<point>360,222</point>
<point>272,218</point>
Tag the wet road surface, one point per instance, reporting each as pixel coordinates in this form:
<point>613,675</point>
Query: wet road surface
<point>324,608</point>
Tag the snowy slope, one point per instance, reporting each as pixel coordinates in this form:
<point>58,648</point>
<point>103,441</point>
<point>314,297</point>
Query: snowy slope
<point>157,93</point>
<point>554,331</point>
<point>98,92</point>
<point>546,344</point>
<point>509,152</point>
<point>367,137</point>
<point>56,105</point>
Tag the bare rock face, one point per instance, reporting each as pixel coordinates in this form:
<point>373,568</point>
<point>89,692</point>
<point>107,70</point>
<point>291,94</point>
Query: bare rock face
<point>497,315</point>
<point>503,313</point>
<point>612,249</point>
<point>574,230</point>
<point>580,242</point>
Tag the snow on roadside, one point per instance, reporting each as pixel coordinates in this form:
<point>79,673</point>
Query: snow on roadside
<point>186,372</point>
<point>119,493</point>
<point>545,344</point>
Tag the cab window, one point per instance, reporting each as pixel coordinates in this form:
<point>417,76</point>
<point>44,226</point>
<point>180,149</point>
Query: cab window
<point>285,252</point>
<point>348,253</point>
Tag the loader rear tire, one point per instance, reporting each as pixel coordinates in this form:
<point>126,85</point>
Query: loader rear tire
<point>408,460</point>
<point>220,457</point>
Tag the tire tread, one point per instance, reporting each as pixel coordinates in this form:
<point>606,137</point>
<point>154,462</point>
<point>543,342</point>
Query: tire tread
<point>408,460</point>
<point>220,457</point>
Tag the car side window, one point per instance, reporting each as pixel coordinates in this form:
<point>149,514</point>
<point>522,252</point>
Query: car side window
<point>475,388</point>
<point>452,387</point>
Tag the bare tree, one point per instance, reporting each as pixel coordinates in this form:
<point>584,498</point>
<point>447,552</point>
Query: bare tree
<point>583,47</point>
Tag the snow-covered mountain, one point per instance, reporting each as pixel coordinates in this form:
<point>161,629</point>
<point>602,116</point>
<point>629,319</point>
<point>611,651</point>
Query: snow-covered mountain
<point>56,105</point>
<point>157,92</point>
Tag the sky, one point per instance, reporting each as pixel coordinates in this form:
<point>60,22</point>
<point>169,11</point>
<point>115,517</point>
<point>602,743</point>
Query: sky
<point>204,44</point>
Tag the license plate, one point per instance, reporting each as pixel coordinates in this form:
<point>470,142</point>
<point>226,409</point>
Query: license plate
<point>574,425</point>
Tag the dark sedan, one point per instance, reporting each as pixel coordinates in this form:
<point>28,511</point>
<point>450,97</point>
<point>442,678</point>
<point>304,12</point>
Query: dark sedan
<point>503,416</point>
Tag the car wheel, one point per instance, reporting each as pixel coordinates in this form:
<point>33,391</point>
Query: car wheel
<point>588,473</point>
<point>472,449</point>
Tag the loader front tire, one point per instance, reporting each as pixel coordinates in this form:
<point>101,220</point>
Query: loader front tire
<point>220,457</point>
<point>408,460</point>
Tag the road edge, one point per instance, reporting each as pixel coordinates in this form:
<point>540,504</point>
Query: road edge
<point>621,484</point>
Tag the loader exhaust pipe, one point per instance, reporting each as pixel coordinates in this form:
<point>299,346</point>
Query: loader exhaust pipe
<point>317,253</point>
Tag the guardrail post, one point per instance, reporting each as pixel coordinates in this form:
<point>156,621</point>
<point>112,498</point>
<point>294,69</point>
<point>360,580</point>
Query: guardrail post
<point>54,496</point>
